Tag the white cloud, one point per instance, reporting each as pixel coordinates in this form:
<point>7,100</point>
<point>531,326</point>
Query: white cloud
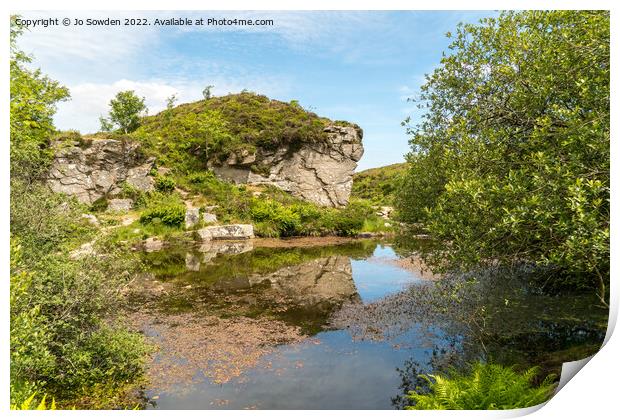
<point>91,43</point>
<point>111,46</point>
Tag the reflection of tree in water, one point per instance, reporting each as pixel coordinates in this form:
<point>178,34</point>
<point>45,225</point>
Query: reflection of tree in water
<point>442,359</point>
<point>494,315</point>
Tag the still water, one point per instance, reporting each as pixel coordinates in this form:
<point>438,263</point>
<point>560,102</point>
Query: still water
<point>331,327</point>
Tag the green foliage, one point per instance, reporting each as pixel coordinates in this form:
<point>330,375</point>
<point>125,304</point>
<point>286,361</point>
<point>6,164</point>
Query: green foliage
<point>511,159</point>
<point>285,220</point>
<point>99,205</point>
<point>275,219</point>
<point>59,342</point>
<point>130,191</point>
<point>171,215</point>
<point>181,137</point>
<point>106,125</point>
<point>378,185</point>
<point>486,387</point>
<point>33,103</point>
<point>125,111</point>
<point>170,101</point>
<point>30,404</point>
<point>45,222</point>
<point>350,220</point>
<point>206,92</point>
<point>164,184</point>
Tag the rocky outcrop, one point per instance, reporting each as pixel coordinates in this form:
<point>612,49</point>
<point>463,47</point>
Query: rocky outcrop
<point>94,168</point>
<point>320,172</point>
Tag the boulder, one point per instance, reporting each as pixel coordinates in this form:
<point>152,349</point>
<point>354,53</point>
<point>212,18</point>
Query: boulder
<point>239,231</point>
<point>192,217</point>
<point>320,172</point>
<point>91,218</point>
<point>84,250</point>
<point>153,244</point>
<point>120,204</point>
<point>99,169</point>
<point>385,211</point>
<point>209,218</point>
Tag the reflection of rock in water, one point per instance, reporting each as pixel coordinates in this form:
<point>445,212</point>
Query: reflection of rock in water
<point>212,249</point>
<point>304,294</point>
<point>328,279</point>
<point>323,279</point>
<point>192,262</point>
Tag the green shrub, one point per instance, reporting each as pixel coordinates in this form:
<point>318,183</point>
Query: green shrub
<point>350,220</point>
<point>59,344</point>
<point>266,230</point>
<point>164,184</point>
<point>171,215</point>
<point>511,161</point>
<point>486,387</point>
<point>99,205</point>
<point>130,191</point>
<point>58,303</point>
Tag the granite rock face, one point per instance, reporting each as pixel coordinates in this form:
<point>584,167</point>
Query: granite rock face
<point>320,172</point>
<point>99,169</point>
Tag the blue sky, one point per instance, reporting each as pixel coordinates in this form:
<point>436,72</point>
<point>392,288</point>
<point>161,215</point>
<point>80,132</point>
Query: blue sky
<point>356,66</point>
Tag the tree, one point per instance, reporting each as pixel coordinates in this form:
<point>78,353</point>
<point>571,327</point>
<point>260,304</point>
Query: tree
<point>206,92</point>
<point>510,162</point>
<point>33,103</point>
<point>106,125</point>
<point>60,344</point>
<point>125,112</point>
<point>170,101</point>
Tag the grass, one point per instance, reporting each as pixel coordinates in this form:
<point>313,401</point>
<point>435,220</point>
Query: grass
<point>378,185</point>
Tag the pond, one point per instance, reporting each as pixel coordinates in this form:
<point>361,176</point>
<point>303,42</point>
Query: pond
<point>346,326</point>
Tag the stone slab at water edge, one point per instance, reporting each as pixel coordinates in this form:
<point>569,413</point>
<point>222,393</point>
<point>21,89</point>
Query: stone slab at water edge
<point>223,232</point>
<point>90,169</point>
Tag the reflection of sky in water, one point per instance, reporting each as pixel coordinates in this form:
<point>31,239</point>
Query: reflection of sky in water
<point>336,373</point>
<point>331,370</point>
<point>376,277</point>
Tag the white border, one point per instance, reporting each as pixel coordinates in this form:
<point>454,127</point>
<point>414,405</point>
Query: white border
<point>592,394</point>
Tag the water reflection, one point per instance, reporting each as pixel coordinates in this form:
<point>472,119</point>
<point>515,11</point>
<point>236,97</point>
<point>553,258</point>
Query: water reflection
<point>337,326</point>
<point>301,286</point>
